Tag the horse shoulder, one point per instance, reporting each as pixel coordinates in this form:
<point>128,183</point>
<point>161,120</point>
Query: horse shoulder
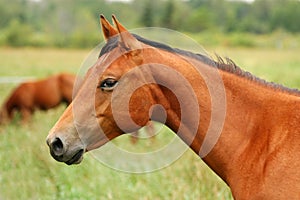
<point>281,167</point>
<point>268,165</point>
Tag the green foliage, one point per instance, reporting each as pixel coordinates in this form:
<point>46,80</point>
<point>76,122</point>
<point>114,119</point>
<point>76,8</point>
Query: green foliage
<point>199,20</point>
<point>167,19</point>
<point>286,16</point>
<point>279,39</point>
<point>241,40</point>
<point>74,23</point>
<point>18,34</point>
<point>147,17</point>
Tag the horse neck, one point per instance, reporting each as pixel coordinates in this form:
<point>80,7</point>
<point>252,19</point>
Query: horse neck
<point>258,118</point>
<point>250,111</point>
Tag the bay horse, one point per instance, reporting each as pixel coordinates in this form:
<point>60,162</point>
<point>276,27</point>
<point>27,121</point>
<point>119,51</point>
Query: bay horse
<point>257,152</point>
<point>40,94</point>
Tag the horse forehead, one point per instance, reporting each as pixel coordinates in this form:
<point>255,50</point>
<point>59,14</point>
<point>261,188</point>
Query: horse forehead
<point>105,61</point>
<point>120,61</point>
<point>122,64</point>
<point>117,67</point>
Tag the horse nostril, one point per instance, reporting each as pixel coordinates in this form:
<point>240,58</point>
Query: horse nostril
<point>57,147</point>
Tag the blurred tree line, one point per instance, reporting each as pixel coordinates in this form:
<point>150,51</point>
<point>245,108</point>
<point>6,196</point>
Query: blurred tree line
<point>74,23</point>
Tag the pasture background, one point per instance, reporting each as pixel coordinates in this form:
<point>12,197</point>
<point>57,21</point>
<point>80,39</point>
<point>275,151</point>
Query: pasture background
<point>27,171</point>
<point>261,37</point>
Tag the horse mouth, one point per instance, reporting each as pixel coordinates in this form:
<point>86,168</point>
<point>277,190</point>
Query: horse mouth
<point>76,159</point>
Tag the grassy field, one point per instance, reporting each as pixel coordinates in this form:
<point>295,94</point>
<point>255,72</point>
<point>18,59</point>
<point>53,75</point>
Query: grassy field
<point>27,170</point>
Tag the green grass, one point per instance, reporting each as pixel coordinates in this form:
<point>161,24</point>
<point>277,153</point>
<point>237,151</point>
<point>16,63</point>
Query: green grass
<point>27,170</point>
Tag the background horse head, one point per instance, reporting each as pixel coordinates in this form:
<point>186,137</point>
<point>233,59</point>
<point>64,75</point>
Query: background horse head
<point>42,94</point>
<point>248,132</point>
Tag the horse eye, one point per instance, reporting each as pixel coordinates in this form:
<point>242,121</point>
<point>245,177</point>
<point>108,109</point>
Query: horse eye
<point>108,84</point>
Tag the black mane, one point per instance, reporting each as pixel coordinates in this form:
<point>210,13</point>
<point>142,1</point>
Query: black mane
<point>226,65</point>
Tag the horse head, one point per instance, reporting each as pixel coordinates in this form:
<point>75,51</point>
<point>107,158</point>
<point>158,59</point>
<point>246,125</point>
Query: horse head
<point>113,98</point>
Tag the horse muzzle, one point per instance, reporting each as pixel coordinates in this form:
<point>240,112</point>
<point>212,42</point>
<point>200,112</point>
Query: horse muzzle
<point>61,152</point>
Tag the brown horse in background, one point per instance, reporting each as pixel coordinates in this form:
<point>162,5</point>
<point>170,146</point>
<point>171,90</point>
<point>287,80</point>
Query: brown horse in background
<point>41,94</point>
<point>258,150</point>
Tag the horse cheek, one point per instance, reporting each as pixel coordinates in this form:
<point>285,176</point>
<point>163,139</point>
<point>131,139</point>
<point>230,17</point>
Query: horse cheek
<point>140,114</point>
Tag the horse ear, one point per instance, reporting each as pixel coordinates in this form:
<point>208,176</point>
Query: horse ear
<point>127,40</point>
<point>107,29</point>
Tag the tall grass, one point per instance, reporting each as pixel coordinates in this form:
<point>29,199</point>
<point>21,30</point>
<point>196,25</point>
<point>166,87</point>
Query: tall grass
<point>27,170</point>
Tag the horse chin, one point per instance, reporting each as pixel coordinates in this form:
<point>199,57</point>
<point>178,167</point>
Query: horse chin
<point>77,158</point>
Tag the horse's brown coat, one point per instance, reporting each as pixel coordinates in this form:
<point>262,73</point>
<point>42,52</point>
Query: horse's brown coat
<point>258,151</point>
<point>41,94</point>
